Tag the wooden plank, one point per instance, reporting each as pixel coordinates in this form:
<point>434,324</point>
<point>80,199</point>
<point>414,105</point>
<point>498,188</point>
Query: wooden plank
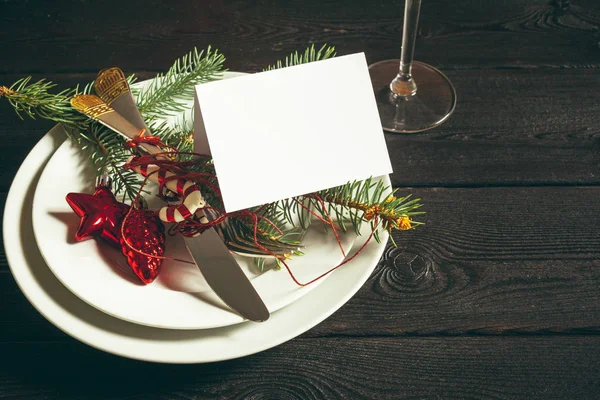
<point>508,129</point>
<point>365,368</point>
<point>518,265</point>
<point>522,33</point>
<point>488,261</point>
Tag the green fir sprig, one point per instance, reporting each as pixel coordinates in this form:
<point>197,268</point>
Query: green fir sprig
<point>309,55</point>
<point>349,206</point>
<point>34,99</point>
<point>171,92</point>
<point>103,146</point>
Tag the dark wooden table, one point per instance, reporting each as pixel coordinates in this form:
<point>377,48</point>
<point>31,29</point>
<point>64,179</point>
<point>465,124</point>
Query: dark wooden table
<point>496,297</point>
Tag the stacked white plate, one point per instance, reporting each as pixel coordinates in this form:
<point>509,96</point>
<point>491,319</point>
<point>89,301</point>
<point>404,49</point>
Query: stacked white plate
<point>87,289</point>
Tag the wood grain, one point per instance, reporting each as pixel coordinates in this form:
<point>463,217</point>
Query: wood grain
<point>496,297</point>
<point>487,261</point>
<point>61,37</point>
<point>349,368</point>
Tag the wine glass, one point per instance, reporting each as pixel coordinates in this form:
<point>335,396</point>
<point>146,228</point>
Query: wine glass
<point>416,96</point>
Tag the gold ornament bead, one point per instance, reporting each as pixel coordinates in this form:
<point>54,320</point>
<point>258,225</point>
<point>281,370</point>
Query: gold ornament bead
<point>403,223</point>
<point>371,212</point>
<point>4,91</point>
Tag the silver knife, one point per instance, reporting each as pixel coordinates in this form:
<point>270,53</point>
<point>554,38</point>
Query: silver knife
<point>225,277</point>
<point>211,255</point>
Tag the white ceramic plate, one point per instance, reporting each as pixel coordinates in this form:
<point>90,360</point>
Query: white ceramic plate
<point>179,298</point>
<point>97,329</point>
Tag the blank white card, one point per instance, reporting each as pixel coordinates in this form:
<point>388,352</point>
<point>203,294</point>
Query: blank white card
<point>291,131</point>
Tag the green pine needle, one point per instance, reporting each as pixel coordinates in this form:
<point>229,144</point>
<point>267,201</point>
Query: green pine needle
<point>170,92</point>
<point>35,100</point>
<point>349,205</point>
<point>309,55</point>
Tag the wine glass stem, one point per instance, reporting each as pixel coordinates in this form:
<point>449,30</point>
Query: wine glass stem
<point>403,84</point>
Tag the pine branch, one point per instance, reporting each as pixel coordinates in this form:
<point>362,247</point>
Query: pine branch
<point>108,153</point>
<point>104,147</point>
<point>170,92</point>
<point>351,205</point>
<point>180,135</point>
<point>368,201</point>
<point>309,55</point>
<point>34,99</point>
<point>167,92</point>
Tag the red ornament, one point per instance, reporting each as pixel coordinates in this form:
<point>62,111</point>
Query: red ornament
<point>144,232</point>
<point>101,214</point>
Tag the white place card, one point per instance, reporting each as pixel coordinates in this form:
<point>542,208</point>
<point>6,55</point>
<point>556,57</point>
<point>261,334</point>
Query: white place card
<point>291,131</point>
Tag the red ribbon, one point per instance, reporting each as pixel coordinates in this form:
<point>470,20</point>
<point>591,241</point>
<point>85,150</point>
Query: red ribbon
<point>191,226</point>
<point>150,139</point>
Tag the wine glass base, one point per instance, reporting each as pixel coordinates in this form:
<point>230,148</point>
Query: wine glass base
<point>432,104</point>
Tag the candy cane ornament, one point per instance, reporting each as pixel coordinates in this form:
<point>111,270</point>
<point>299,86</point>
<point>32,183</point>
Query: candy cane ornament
<point>191,197</point>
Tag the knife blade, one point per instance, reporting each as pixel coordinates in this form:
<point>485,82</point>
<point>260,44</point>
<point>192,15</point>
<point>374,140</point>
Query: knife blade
<point>212,257</point>
<point>225,277</point>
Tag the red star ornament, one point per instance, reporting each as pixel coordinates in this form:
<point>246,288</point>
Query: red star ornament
<point>101,215</point>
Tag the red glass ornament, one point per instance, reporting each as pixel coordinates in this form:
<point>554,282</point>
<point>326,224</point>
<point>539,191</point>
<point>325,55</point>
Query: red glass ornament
<point>101,214</point>
<point>145,232</point>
